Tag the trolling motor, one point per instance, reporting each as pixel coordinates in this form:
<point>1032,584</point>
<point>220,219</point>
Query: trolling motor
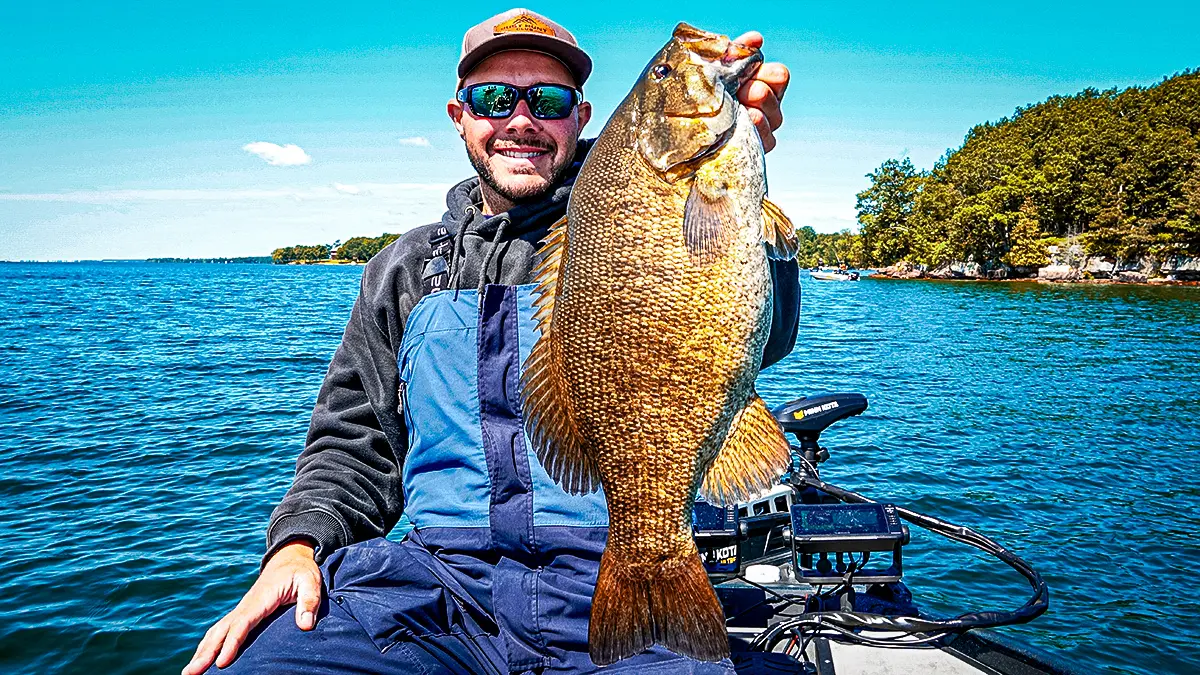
<point>766,529</point>
<point>807,417</point>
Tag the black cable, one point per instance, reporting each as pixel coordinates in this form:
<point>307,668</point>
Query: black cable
<point>1033,608</point>
<point>845,623</point>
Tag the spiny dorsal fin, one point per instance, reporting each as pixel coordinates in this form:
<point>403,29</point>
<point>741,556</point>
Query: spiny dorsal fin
<point>546,399</point>
<point>754,455</point>
<point>778,233</point>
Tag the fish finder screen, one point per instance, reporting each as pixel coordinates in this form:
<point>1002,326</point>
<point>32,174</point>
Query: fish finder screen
<point>847,519</point>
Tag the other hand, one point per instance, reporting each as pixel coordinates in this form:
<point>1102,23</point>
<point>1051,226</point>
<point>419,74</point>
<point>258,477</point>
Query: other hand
<point>762,94</point>
<point>291,575</point>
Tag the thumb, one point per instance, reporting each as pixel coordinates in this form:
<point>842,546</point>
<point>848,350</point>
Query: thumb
<point>308,599</point>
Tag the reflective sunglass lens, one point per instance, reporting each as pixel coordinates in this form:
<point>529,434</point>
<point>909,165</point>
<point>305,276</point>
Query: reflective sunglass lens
<point>493,100</point>
<point>551,102</point>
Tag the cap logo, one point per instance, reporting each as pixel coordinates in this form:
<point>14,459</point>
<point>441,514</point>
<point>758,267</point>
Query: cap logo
<point>523,23</point>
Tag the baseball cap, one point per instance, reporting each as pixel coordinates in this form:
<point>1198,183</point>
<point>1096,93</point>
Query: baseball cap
<point>523,29</point>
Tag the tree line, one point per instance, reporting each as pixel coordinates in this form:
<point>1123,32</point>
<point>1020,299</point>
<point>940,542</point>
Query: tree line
<point>1116,172</point>
<point>355,249</point>
<point>254,259</point>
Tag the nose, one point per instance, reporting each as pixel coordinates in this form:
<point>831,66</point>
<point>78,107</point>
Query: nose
<point>522,120</point>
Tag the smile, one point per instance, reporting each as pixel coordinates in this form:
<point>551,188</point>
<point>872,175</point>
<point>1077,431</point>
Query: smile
<point>522,154</point>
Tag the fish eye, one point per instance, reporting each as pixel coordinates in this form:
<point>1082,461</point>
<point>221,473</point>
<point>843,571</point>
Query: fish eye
<point>660,71</point>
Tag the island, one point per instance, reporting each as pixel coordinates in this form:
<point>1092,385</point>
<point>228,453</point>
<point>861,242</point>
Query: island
<point>1099,185</point>
<point>356,250</point>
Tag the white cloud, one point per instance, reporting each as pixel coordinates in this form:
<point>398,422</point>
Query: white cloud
<point>278,155</point>
<point>820,210</point>
<point>414,141</point>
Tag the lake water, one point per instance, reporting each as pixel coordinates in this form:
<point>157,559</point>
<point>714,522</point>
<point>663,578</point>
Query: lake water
<point>150,417</point>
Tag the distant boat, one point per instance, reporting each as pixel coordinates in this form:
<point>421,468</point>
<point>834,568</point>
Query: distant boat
<point>833,274</point>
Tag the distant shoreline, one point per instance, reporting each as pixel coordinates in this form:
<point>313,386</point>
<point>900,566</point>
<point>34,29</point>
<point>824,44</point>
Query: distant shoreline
<point>248,260</point>
<point>1035,280</point>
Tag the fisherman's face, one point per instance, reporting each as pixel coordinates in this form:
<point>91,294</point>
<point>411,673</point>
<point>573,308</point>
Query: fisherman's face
<point>520,157</point>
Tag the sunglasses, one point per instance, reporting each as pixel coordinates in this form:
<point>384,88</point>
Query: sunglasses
<point>498,100</point>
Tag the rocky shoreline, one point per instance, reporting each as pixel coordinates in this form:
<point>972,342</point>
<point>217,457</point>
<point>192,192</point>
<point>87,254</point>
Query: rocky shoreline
<point>1177,272</point>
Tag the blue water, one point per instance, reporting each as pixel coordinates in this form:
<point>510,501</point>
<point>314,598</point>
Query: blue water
<point>150,417</point>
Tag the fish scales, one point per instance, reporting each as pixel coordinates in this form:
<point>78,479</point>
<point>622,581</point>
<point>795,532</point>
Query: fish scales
<point>655,305</point>
<point>658,350</point>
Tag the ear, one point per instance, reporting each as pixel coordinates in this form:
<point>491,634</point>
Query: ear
<point>454,110</point>
<point>584,112</point>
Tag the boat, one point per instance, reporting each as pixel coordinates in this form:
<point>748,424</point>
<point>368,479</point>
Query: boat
<point>833,274</point>
<point>798,572</point>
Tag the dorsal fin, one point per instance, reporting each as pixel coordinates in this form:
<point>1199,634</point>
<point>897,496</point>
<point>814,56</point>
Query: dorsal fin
<point>547,401</point>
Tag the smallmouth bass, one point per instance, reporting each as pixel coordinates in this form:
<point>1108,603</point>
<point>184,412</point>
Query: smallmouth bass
<point>654,304</point>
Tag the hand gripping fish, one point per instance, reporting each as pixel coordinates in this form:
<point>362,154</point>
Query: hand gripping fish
<point>654,304</point>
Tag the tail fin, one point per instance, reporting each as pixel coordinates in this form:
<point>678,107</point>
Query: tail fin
<point>673,605</point>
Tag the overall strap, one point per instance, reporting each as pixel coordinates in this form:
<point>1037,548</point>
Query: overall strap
<point>436,274</point>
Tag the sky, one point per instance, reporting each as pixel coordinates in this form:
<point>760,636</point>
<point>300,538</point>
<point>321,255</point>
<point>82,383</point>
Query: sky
<point>134,129</point>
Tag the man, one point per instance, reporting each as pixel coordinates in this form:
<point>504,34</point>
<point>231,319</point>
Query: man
<point>417,414</point>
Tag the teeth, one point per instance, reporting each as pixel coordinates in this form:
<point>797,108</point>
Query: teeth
<point>523,155</point>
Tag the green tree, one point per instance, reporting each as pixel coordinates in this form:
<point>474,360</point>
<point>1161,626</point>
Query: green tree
<point>1118,171</point>
<point>362,249</point>
<point>884,210</point>
<point>282,256</point>
<point>1027,245</point>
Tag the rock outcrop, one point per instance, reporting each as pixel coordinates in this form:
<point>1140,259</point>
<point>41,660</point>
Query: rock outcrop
<point>1078,269</point>
<point>1132,277</point>
<point>1059,273</point>
<point>902,270</point>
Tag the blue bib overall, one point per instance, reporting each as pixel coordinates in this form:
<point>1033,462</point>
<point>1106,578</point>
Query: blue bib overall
<point>498,572</point>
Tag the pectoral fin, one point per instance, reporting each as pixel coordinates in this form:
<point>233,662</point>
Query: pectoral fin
<point>754,455</point>
<point>778,233</point>
<point>549,417</point>
<point>707,219</point>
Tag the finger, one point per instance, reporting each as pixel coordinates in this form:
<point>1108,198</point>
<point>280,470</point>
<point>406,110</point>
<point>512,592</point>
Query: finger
<point>763,127</point>
<point>207,650</point>
<point>755,94</point>
<point>307,601</point>
<point>776,76</point>
<point>238,630</point>
<point>753,39</point>
<point>250,611</point>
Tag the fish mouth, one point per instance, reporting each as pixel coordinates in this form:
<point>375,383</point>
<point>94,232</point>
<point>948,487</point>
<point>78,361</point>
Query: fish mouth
<point>737,61</point>
<point>737,67</point>
<point>744,67</point>
<point>730,63</point>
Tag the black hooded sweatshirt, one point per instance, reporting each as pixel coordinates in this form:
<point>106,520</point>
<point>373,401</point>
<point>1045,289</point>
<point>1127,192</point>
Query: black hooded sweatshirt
<point>347,486</point>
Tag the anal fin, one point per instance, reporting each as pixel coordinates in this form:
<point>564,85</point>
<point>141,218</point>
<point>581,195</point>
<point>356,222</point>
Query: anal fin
<point>778,232</point>
<point>546,399</point>
<point>754,455</point>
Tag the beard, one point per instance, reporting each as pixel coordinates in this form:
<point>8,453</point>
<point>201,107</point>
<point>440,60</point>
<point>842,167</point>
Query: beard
<point>521,192</point>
